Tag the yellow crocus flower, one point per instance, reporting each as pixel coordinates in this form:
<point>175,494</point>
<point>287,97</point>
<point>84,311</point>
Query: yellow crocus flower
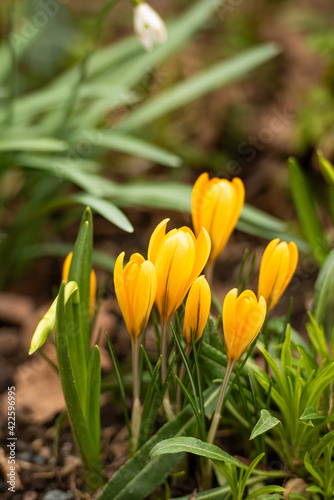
<point>92,284</point>
<point>243,318</point>
<point>135,288</point>
<point>197,309</point>
<point>178,258</point>
<point>278,265</point>
<point>216,205</point>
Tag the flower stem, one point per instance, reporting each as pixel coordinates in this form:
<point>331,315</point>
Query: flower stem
<point>217,414</point>
<point>166,401</point>
<point>181,375</point>
<point>209,272</point>
<point>136,408</point>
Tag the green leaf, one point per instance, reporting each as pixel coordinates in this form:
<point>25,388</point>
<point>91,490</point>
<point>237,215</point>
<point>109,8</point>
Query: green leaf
<point>317,337</point>
<point>211,78</point>
<point>195,446</point>
<point>266,490</point>
<point>152,402</point>
<point>37,144</point>
<point>141,475</point>
<point>79,271</point>
<point>93,397</point>
<point>323,288</point>
<point>105,208</point>
<point>265,422</point>
<point>315,489</point>
<point>324,443</point>
<point>133,146</point>
<point>78,421</point>
<point>220,493</point>
<point>310,414</point>
<point>192,403</point>
<point>120,384</point>
<point>314,470</point>
<point>286,357</point>
<point>304,203</point>
<point>326,168</point>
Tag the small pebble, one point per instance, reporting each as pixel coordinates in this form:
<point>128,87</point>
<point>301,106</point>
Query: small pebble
<point>58,495</point>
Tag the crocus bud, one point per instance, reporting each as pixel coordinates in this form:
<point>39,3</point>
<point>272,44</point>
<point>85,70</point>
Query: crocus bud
<point>197,309</point>
<point>178,258</point>
<point>148,26</point>
<point>278,265</point>
<point>216,205</point>
<point>243,318</point>
<point>92,283</point>
<point>135,288</point>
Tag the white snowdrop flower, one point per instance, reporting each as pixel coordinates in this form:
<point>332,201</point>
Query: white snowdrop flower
<point>148,26</point>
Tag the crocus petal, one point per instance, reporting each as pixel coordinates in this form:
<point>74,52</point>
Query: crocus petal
<point>120,288</point>
<point>197,200</point>
<point>216,206</point>
<point>144,295</point>
<point>155,240</point>
<point>92,292</point>
<point>202,252</point>
<point>173,265</point>
<point>197,309</point>
<point>243,318</point>
<point>135,288</point>
<point>278,265</point>
<point>66,267</point>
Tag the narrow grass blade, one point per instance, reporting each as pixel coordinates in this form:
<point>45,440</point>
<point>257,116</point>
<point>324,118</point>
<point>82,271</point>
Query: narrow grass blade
<point>187,365</point>
<point>304,203</point>
<point>323,287</point>
<point>197,414</point>
<point>120,384</point>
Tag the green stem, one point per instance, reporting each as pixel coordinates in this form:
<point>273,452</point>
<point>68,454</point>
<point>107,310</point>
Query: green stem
<point>166,401</point>
<point>217,414</point>
<point>181,375</point>
<point>136,408</point>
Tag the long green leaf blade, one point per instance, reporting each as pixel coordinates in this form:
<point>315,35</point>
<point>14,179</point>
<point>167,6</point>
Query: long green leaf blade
<point>93,397</point>
<point>195,446</point>
<point>141,475</point>
<point>78,421</point>
<point>306,212</point>
<point>323,288</point>
<point>181,94</point>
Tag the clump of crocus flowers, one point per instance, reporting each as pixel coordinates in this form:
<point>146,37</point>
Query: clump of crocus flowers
<point>172,270</point>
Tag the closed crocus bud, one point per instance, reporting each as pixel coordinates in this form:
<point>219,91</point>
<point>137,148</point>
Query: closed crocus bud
<point>135,288</point>
<point>243,318</point>
<point>148,26</point>
<point>278,265</point>
<point>92,283</point>
<point>197,309</point>
<point>178,258</point>
<point>216,205</point>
